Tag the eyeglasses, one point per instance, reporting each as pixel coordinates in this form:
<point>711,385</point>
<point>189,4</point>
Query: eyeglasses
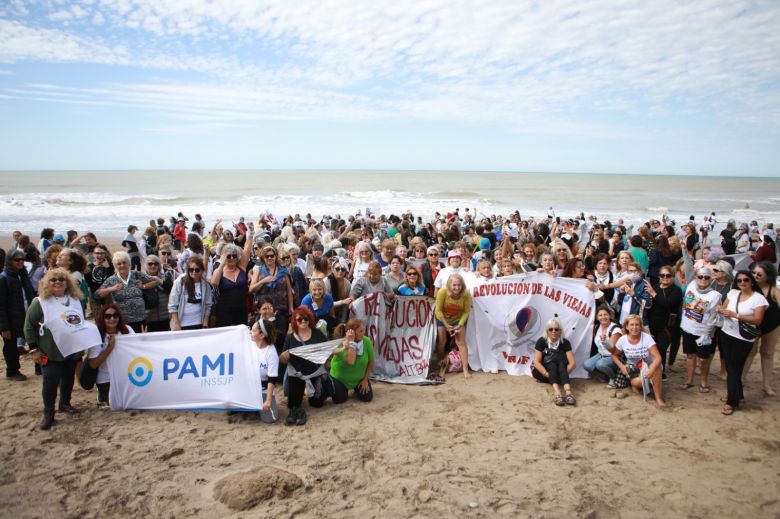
<point>57,280</point>
<point>302,319</point>
<point>111,316</point>
<point>704,278</point>
<point>231,256</point>
<point>664,275</point>
<point>553,329</point>
<point>744,280</point>
<point>196,270</point>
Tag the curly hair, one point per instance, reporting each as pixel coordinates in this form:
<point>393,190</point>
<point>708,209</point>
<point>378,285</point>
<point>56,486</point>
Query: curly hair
<point>45,289</point>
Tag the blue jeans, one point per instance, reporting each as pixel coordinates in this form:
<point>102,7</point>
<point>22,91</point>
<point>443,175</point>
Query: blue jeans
<point>601,364</point>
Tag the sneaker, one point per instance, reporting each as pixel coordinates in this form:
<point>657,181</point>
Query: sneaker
<point>292,417</point>
<point>17,378</point>
<point>103,405</point>
<point>611,384</point>
<point>67,408</point>
<point>301,420</point>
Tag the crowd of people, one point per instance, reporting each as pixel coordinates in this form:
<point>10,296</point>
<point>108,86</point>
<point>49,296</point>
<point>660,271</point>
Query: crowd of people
<point>291,280</point>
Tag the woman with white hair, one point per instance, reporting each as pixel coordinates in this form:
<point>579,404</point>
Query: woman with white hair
<point>363,257</point>
<point>125,288</point>
<point>554,360</point>
<point>699,316</point>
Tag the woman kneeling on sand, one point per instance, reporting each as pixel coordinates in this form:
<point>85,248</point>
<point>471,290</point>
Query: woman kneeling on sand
<point>642,358</point>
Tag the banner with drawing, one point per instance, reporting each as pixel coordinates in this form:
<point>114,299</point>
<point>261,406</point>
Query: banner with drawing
<point>509,314</point>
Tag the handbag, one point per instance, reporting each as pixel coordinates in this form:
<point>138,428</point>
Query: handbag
<point>749,332</point>
<point>87,375</point>
<point>151,298</point>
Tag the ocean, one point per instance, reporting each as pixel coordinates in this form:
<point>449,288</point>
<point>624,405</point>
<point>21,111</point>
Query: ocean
<point>106,202</point>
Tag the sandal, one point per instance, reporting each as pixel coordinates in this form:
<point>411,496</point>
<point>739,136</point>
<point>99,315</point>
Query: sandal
<point>570,400</point>
<point>704,389</point>
<point>727,410</point>
<point>686,386</point>
<point>558,400</point>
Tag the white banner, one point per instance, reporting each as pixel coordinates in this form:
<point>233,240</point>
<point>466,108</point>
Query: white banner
<point>403,333</point>
<point>508,315</point>
<point>211,369</point>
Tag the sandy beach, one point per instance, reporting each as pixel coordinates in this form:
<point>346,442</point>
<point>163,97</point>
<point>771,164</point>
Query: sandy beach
<point>493,445</point>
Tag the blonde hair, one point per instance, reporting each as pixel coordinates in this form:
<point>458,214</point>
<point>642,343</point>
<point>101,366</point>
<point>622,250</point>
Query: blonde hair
<point>44,286</point>
<point>317,282</point>
<point>452,278</point>
<point>120,256</point>
<point>554,322</point>
<point>627,320</point>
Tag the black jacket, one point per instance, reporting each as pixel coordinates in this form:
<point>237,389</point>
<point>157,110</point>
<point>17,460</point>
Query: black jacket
<point>12,287</point>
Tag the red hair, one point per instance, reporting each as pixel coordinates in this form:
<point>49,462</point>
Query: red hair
<point>121,326</point>
<point>301,311</point>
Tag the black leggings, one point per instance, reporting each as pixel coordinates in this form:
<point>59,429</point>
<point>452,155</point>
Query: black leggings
<point>663,339</point>
<point>736,352</point>
<point>557,371</point>
<point>57,373</point>
<point>341,393</point>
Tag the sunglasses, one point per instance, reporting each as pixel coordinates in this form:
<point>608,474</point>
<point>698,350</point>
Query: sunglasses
<point>704,278</point>
<point>553,329</point>
<point>339,269</point>
<point>231,256</point>
<point>664,275</point>
<point>744,280</point>
<point>152,264</point>
<point>283,258</point>
<point>268,256</point>
<point>111,316</point>
<point>302,319</point>
<point>412,274</point>
<point>432,254</point>
<point>196,270</point>
<point>165,254</point>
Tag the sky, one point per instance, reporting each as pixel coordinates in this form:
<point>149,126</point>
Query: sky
<point>661,87</point>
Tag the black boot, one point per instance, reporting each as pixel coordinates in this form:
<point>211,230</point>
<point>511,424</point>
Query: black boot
<point>48,421</point>
<point>292,417</point>
<point>301,418</point>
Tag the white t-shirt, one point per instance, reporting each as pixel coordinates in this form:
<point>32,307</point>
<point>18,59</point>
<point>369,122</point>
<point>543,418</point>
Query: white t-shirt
<point>103,376</point>
<point>636,352</point>
<point>268,362</point>
<point>698,310</point>
<point>191,314</point>
<point>746,308</point>
<point>444,275</point>
<point>603,344</point>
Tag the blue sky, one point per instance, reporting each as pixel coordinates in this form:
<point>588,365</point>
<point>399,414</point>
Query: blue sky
<point>589,86</point>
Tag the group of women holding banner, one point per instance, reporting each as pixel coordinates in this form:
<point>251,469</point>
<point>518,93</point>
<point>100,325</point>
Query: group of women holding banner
<point>300,278</point>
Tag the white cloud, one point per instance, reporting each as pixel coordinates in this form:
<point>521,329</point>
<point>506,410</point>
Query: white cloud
<point>440,59</point>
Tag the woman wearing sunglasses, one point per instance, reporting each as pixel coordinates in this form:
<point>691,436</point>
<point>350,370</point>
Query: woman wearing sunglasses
<point>413,284</point>
<point>58,294</point>
<point>156,299</point>
<point>270,280</point>
<point>639,349</point>
<point>554,360</point>
<point>231,281</point>
<point>110,323</point>
<point>431,269</point>
<point>663,316</point>
<point>699,316</point>
<point>765,275</point>
<point>189,303</point>
<point>744,305</point>
<point>301,371</point>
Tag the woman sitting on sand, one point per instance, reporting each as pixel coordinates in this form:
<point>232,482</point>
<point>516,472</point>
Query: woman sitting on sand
<point>453,306</point>
<point>554,360</point>
<point>641,353</point>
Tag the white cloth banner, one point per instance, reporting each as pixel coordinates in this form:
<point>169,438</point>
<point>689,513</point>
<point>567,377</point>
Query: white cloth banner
<point>211,369</point>
<point>403,333</point>
<point>508,315</point>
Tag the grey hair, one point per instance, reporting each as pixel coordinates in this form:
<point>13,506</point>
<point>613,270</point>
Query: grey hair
<point>120,256</point>
<point>232,248</point>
